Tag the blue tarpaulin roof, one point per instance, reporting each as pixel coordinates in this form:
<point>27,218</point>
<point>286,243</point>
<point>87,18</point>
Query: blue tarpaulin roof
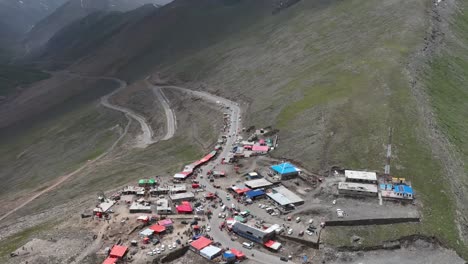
<point>228,255</point>
<point>404,189</point>
<point>254,193</point>
<point>284,168</point>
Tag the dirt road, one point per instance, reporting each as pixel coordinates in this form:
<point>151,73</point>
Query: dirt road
<point>144,139</point>
<point>66,177</point>
<point>171,121</point>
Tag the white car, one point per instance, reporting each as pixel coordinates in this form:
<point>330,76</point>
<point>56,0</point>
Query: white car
<point>162,247</point>
<point>208,228</point>
<point>290,231</point>
<point>260,205</point>
<point>158,251</point>
<point>311,221</point>
<point>174,244</point>
<point>169,247</point>
<point>310,233</point>
<point>150,253</point>
<point>340,213</point>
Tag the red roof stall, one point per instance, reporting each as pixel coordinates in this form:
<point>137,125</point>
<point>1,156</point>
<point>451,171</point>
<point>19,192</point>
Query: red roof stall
<point>184,208</point>
<point>182,175</point>
<point>118,251</point>
<point>260,149</point>
<point>110,260</point>
<point>273,245</point>
<point>237,253</point>
<point>200,243</point>
<point>158,228</point>
<point>240,190</point>
<point>165,222</point>
<point>207,158</point>
<point>261,142</point>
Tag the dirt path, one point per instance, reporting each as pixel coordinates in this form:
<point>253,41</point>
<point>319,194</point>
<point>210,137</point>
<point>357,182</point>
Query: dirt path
<point>170,115</point>
<point>67,176</point>
<point>63,178</point>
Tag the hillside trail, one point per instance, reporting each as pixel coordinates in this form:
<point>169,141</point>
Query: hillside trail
<point>67,176</point>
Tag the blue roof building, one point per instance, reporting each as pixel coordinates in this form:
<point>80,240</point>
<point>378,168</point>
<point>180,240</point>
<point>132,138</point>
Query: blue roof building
<point>285,170</point>
<point>252,194</point>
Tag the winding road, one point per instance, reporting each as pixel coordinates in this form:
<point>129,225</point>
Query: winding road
<point>144,139</point>
<point>171,120</point>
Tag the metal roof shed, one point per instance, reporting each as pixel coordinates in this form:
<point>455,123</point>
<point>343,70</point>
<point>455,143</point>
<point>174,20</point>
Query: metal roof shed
<point>258,183</point>
<point>147,232</point>
<point>360,176</point>
<point>210,252</point>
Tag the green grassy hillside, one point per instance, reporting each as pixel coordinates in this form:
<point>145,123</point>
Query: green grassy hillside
<point>37,150</point>
<point>446,80</point>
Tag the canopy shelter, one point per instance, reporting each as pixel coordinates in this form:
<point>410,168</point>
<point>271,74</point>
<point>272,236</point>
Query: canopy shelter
<point>110,260</point>
<point>118,251</point>
<point>201,243</point>
<point>273,244</point>
<point>239,254</point>
<point>158,228</point>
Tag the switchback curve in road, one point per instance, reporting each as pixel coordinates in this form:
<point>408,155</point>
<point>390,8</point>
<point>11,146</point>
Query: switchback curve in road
<point>171,121</point>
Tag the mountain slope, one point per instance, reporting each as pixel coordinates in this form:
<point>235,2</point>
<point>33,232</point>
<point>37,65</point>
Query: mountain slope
<point>20,16</point>
<point>74,10</point>
<point>17,18</point>
<point>331,75</point>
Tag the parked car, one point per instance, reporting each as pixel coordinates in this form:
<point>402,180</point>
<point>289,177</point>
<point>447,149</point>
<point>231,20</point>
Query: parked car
<point>340,213</point>
<point>285,259</point>
<point>310,233</point>
<point>290,231</point>
<point>247,245</point>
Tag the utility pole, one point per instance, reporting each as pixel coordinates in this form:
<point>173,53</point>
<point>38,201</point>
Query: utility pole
<point>389,153</point>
